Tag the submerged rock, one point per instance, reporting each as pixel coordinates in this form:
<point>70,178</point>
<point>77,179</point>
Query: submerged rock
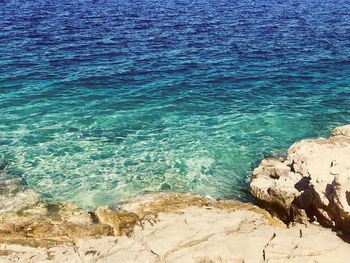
<point>14,196</point>
<point>165,187</point>
<point>313,183</point>
<point>18,201</point>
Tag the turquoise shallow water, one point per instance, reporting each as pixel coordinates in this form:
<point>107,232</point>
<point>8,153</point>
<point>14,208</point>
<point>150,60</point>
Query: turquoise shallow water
<point>100,100</point>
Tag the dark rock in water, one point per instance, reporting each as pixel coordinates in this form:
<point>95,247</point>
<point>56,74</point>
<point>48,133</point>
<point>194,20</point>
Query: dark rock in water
<point>3,164</point>
<point>9,184</point>
<point>165,187</point>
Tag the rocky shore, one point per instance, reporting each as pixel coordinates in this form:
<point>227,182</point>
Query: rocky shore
<point>307,189</point>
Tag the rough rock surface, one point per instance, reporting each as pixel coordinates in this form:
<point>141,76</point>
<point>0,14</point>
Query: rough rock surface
<point>313,183</point>
<point>194,230</point>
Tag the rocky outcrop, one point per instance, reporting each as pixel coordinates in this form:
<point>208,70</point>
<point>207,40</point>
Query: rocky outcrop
<point>312,183</point>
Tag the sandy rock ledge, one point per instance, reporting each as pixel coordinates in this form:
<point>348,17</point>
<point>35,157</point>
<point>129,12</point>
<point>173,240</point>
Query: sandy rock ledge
<point>163,228</point>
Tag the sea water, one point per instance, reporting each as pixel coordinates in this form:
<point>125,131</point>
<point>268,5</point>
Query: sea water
<point>101,100</point>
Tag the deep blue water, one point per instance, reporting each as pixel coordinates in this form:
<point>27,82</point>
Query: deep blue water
<point>100,100</point>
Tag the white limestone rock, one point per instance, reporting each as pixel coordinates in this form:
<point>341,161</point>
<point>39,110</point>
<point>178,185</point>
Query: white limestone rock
<point>314,179</point>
